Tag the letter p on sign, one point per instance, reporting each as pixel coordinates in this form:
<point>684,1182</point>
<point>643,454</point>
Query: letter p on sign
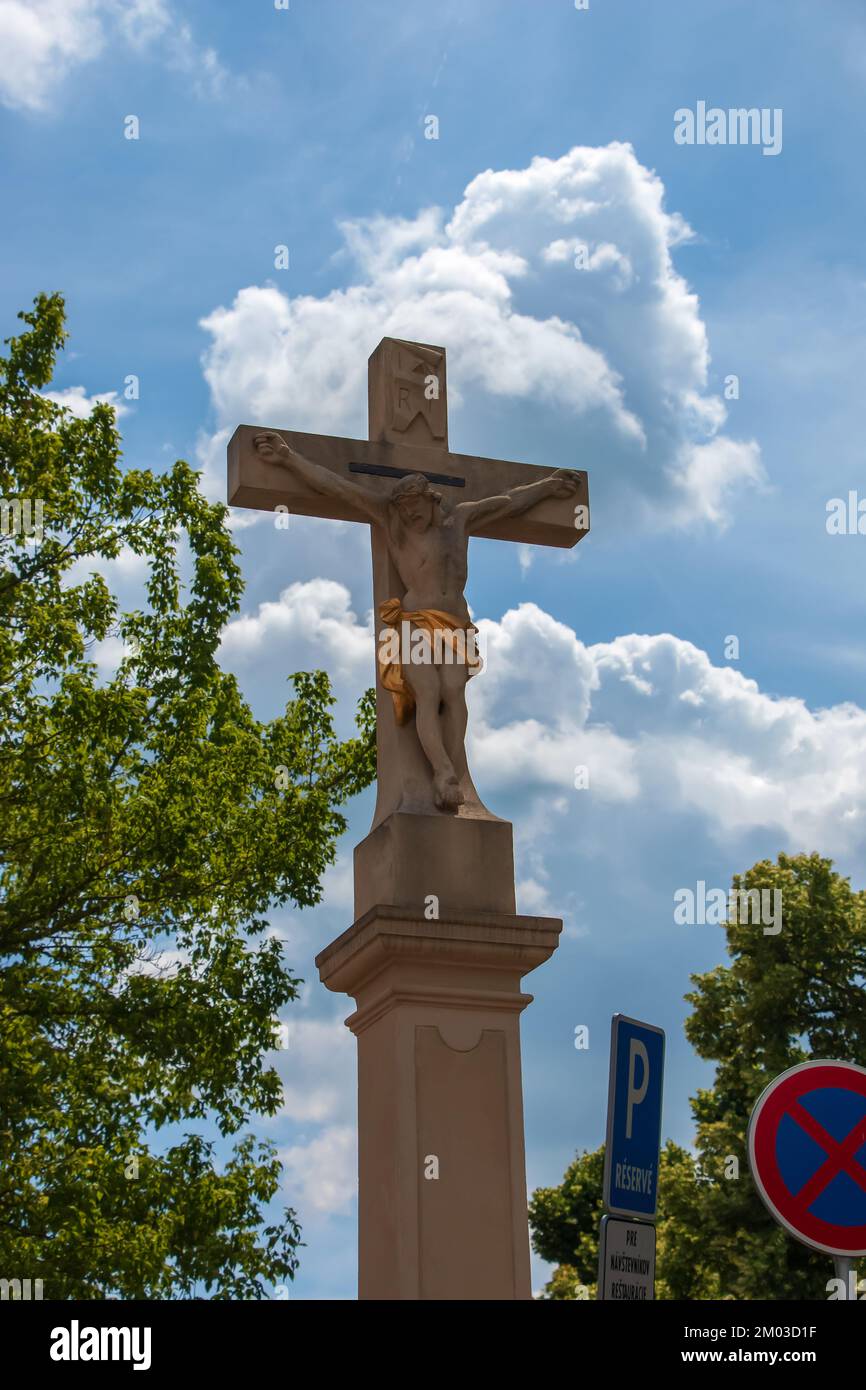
<point>636,1049</point>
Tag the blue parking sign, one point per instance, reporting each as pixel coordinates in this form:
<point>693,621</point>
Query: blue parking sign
<point>634,1117</point>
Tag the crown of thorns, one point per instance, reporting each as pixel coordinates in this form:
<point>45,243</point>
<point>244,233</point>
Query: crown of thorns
<point>413,483</point>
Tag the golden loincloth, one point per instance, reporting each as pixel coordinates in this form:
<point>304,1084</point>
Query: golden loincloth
<point>431,621</point>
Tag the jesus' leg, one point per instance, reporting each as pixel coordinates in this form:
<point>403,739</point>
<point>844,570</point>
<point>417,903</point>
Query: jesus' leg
<point>425,682</point>
<point>454,714</point>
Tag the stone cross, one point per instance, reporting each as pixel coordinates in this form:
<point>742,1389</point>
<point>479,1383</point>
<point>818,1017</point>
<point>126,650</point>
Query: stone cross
<point>421,760</point>
<point>436,954</point>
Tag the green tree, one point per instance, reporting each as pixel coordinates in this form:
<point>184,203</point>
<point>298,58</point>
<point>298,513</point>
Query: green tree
<point>140,811</point>
<point>784,998</point>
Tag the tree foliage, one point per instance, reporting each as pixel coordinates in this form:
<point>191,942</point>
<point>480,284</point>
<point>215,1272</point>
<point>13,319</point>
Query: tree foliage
<point>148,822</point>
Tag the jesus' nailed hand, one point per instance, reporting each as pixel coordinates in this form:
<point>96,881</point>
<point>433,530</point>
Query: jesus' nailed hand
<point>428,541</point>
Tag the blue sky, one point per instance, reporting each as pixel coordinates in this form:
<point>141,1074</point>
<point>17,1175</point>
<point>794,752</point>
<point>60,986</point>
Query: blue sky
<point>261,127</point>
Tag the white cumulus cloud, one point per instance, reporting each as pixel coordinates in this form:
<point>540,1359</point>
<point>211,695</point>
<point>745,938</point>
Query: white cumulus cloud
<point>317,1070</point>
<point>322,1175</point>
<point>42,41</point>
<point>311,622</point>
<point>76,399</point>
<point>609,362</point>
<point>652,719</point>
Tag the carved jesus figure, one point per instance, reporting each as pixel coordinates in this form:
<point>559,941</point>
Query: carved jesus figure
<point>428,541</point>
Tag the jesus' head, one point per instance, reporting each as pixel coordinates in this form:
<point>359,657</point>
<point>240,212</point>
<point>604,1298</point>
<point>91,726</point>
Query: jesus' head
<point>415,502</point>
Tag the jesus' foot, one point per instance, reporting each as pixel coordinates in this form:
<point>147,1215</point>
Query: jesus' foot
<point>446,791</point>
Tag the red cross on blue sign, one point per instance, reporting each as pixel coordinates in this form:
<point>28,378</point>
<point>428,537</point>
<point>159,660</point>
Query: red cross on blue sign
<point>807,1153</point>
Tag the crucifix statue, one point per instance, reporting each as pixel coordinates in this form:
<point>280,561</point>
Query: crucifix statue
<point>428,544</point>
<point>423,504</point>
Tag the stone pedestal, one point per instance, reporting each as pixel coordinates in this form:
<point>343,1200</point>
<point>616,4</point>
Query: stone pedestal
<point>439,1092</point>
<point>464,862</point>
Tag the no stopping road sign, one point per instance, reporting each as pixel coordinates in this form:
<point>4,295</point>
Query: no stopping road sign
<point>807,1153</point>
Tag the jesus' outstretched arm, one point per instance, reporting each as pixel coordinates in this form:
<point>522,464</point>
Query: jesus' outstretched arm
<point>563,483</point>
<point>274,449</point>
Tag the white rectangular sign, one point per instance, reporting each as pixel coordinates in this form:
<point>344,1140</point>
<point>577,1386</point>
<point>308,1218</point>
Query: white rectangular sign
<point>626,1260</point>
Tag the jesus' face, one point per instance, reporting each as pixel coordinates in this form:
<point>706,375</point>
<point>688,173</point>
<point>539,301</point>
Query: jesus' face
<point>415,510</point>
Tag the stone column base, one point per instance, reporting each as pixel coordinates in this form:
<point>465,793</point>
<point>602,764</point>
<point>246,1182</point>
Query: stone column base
<point>442,1180</point>
<point>466,862</point>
